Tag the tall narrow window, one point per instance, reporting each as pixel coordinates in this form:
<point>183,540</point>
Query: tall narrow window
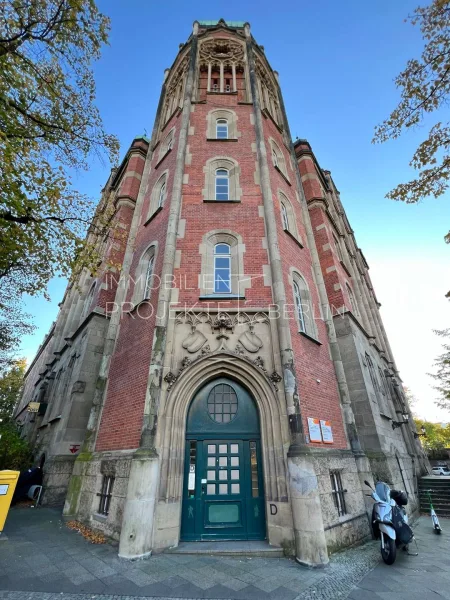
<point>105,494</point>
<point>284,217</point>
<point>148,277</point>
<point>274,158</point>
<point>222,184</point>
<point>303,307</point>
<point>222,129</point>
<point>351,297</point>
<point>338,492</point>
<point>222,269</point>
<point>338,248</point>
<point>170,142</point>
<point>372,374</point>
<point>299,307</point>
<point>162,193</point>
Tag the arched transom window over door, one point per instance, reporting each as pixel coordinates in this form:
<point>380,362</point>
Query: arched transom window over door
<point>222,269</point>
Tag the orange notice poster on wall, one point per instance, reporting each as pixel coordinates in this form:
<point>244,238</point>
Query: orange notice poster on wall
<point>314,430</point>
<point>327,434</point>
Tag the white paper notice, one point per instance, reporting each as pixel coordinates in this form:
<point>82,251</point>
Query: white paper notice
<point>314,430</point>
<point>327,434</point>
<point>191,482</point>
<point>4,489</point>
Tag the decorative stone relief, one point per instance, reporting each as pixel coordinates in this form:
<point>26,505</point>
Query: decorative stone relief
<point>198,334</point>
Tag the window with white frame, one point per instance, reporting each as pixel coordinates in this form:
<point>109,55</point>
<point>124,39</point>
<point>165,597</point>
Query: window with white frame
<point>158,195</point>
<point>303,306</point>
<point>284,216</point>
<point>222,269</point>
<point>222,129</point>
<point>167,144</point>
<point>161,195</point>
<point>278,159</point>
<point>145,274</point>
<point>222,184</point>
<point>352,299</point>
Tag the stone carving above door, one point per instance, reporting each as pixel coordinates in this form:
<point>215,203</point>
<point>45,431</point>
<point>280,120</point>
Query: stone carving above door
<point>198,334</point>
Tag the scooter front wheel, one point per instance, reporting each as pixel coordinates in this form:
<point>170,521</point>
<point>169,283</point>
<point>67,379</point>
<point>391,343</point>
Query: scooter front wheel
<point>389,552</point>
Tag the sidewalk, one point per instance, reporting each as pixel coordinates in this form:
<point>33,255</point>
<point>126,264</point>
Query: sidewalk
<point>423,577</point>
<point>42,560</point>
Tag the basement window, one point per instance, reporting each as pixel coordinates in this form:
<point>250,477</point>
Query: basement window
<point>338,492</point>
<point>105,495</point>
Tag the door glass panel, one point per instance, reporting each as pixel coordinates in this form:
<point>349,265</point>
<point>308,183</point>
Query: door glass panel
<point>223,475</point>
<point>211,449</point>
<point>222,461</point>
<point>223,513</point>
<point>211,489</point>
<point>234,448</point>
<point>234,461</point>
<point>211,475</point>
<point>192,462</point>
<point>254,470</point>
<point>223,488</point>
<point>223,448</point>
<point>235,488</point>
<point>234,474</point>
<point>211,461</point>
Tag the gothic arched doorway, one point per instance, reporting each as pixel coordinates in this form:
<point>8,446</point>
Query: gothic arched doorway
<point>223,495</point>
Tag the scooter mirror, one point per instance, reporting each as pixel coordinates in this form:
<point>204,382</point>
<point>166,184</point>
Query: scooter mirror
<point>367,483</point>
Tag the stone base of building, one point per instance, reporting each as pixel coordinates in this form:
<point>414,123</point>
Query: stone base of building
<point>57,474</point>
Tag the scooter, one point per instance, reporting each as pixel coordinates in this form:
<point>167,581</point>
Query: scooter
<point>434,518</point>
<point>390,521</point>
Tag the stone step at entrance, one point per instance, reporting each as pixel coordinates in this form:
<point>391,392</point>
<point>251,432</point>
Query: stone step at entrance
<point>252,548</point>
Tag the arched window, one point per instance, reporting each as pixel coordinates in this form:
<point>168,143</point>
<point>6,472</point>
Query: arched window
<point>338,248</point>
<point>88,301</point>
<point>222,129</point>
<point>159,195</point>
<point>284,216</point>
<point>162,195</point>
<point>167,144</point>
<point>149,277</point>
<point>351,297</point>
<point>222,185</point>
<point>303,306</point>
<point>278,159</point>
<point>222,269</point>
<point>274,158</point>
<point>144,278</point>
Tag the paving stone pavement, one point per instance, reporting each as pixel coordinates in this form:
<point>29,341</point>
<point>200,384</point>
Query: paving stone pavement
<point>43,560</point>
<point>424,577</point>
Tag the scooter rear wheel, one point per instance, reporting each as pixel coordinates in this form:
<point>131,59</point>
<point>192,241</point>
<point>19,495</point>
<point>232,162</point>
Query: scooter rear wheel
<point>389,552</point>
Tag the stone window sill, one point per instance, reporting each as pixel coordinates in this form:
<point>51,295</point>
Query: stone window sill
<point>163,157</point>
<point>344,266</point>
<point>223,201</point>
<point>223,93</point>
<point>277,168</point>
<point>153,215</point>
<point>221,139</point>
<point>221,297</point>
<point>296,240</point>
<point>99,517</point>
<point>309,337</point>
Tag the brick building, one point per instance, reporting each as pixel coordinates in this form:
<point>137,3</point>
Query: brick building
<point>226,373</point>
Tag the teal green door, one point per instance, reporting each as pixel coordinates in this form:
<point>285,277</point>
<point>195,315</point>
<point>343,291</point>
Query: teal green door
<point>223,496</point>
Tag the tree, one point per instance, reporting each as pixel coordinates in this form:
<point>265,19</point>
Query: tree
<point>11,383</point>
<point>442,375</point>
<point>49,127</point>
<point>437,438</point>
<point>15,452</point>
<point>425,88</point>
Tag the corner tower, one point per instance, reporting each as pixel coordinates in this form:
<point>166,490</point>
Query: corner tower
<point>221,406</point>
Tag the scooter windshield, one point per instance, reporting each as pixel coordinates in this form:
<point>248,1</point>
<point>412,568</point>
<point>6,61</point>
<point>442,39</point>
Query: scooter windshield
<point>383,491</point>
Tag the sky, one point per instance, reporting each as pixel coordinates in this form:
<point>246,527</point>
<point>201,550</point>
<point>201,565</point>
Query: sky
<point>337,62</point>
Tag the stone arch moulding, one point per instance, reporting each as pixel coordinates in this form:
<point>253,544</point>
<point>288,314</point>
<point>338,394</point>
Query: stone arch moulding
<point>172,426</point>
<point>222,113</point>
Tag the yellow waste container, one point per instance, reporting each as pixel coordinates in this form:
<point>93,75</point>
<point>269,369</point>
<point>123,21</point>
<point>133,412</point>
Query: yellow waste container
<point>8,482</point>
